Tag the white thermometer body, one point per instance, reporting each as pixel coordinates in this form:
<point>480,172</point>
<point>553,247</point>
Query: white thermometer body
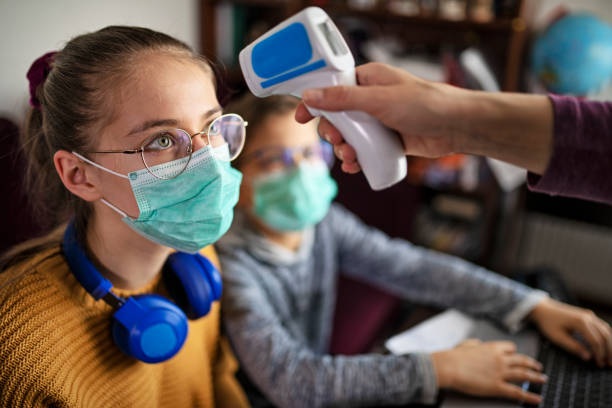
<point>307,51</point>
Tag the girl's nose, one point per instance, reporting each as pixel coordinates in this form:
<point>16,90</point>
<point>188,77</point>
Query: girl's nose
<point>297,158</point>
<point>199,140</point>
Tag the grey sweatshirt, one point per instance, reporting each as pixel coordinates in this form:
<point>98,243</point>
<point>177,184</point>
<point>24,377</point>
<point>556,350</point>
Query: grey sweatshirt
<point>278,308</point>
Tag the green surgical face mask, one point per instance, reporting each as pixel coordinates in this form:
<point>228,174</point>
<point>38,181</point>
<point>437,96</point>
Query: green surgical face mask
<point>187,212</point>
<point>296,198</point>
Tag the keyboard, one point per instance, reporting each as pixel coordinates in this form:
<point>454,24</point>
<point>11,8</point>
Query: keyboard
<point>572,382</point>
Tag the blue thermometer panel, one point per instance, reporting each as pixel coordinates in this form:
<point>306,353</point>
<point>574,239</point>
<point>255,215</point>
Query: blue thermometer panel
<point>284,56</point>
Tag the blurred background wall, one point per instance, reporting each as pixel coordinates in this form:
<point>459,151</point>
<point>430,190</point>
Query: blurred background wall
<point>603,8</point>
<point>30,28</point>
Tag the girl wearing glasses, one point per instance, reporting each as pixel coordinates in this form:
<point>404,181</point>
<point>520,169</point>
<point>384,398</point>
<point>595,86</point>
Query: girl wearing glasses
<point>281,260</point>
<point>129,155</point>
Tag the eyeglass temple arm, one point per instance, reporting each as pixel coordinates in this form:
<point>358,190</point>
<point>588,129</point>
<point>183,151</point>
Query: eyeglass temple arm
<point>118,151</point>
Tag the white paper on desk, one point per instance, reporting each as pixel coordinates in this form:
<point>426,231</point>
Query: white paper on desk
<point>440,332</point>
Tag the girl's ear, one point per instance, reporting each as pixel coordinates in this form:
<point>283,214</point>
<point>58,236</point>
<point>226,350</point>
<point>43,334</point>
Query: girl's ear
<point>76,176</point>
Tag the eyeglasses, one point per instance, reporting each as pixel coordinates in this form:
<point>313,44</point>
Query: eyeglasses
<point>172,144</point>
<point>273,158</point>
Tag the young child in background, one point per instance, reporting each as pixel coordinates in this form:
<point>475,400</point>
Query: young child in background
<point>126,139</point>
<point>281,260</point>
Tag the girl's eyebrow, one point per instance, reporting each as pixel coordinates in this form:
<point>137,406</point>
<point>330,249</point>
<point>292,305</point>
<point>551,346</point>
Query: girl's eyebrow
<point>169,122</point>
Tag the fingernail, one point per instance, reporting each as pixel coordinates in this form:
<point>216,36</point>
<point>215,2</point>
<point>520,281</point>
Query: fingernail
<point>585,355</point>
<point>325,136</point>
<point>312,96</point>
<point>544,377</point>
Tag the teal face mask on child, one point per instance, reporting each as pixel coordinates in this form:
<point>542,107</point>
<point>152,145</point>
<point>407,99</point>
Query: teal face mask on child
<point>186,212</point>
<point>293,199</point>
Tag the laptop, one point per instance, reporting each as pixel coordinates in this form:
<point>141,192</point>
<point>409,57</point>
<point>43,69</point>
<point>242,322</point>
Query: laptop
<point>572,383</point>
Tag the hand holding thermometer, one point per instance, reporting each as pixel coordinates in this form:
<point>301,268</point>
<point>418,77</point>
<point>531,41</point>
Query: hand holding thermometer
<point>307,51</point>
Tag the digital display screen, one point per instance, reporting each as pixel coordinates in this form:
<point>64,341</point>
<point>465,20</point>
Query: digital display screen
<point>335,41</point>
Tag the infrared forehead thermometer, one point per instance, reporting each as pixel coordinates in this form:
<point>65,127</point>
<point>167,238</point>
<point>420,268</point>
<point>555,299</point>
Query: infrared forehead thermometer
<point>307,51</point>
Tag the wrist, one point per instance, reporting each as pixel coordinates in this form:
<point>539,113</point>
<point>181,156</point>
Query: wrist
<point>514,128</point>
<point>537,313</point>
<point>442,368</point>
<point>461,111</point>
<point>472,114</point>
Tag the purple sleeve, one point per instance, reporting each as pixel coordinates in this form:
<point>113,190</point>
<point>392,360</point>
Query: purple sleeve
<point>581,161</point>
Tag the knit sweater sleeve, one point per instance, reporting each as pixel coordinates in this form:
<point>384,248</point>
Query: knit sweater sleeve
<point>428,277</point>
<point>581,161</point>
<point>292,375</point>
<point>228,392</point>
<point>24,340</point>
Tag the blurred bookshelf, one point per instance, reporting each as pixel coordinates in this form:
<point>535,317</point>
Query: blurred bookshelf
<point>499,29</point>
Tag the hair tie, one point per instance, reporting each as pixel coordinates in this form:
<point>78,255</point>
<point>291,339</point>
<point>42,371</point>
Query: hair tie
<point>37,74</point>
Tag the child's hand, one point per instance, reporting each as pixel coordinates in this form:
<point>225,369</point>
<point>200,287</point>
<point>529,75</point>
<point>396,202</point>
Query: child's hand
<point>487,369</point>
<point>559,321</point>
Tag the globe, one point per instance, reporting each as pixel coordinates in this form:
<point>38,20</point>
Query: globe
<point>574,55</point>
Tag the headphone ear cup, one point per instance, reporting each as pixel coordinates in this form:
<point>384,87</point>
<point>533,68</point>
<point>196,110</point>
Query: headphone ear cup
<point>149,328</point>
<point>212,274</point>
<point>194,283</point>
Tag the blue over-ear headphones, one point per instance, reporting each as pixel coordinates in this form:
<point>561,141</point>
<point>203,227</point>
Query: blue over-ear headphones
<point>149,327</point>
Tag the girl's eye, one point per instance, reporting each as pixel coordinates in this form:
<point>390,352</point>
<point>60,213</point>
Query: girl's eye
<point>215,128</point>
<point>161,141</point>
<point>271,161</point>
<point>309,153</point>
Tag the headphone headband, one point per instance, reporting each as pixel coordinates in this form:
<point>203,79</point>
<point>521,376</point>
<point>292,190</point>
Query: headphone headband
<point>85,273</point>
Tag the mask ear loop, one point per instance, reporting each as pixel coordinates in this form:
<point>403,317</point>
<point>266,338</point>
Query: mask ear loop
<point>112,207</point>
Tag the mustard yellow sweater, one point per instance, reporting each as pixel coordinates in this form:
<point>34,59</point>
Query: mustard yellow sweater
<point>56,349</point>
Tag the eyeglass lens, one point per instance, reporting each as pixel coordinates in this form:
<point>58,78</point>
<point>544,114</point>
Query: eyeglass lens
<point>174,144</point>
<point>274,158</point>
<point>164,147</point>
<point>230,129</point>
